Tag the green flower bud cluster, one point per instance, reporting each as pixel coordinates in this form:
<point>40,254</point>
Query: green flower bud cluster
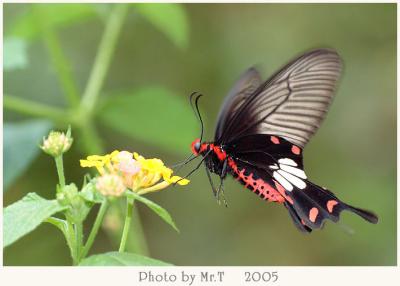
<point>78,206</point>
<point>57,143</point>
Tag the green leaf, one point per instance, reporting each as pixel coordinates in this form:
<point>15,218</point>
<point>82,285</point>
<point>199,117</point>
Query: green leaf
<point>21,145</point>
<point>64,227</point>
<point>25,215</point>
<point>59,15</point>
<point>15,54</point>
<point>155,208</point>
<point>61,224</point>
<point>169,18</point>
<point>153,115</point>
<point>121,259</point>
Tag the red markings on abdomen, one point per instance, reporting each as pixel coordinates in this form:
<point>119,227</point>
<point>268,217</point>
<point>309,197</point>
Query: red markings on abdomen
<point>219,152</point>
<point>258,186</point>
<point>203,148</point>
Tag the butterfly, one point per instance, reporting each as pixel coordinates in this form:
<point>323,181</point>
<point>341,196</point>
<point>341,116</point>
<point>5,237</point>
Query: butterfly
<point>261,133</point>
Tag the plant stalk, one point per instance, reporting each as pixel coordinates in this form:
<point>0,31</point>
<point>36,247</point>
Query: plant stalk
<point>78,241</point>
<point>95,228</point>
<point>72,241</point>
<point>91,140</point>
<point>138,240</point>
<point>127,224</point>
<point>60,170</point>
<point>35,109</point>
<point>103,57</point>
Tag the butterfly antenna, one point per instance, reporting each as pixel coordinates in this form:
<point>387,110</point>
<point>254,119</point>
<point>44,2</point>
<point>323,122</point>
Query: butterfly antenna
<point>191,98</point>
<point>192,102</point>
<point>199,116</point>
<point>196,110</point>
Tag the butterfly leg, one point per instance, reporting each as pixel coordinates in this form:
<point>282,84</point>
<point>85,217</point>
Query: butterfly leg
<point>221,184</point>
<point>211,182</point>
<point>195,169</point>
<point>221,191</point>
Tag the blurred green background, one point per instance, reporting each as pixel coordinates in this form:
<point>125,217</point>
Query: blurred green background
<point>158,61</point>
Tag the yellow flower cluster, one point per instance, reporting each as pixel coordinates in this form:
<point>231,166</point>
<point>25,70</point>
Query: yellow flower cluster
<point>135,172</point>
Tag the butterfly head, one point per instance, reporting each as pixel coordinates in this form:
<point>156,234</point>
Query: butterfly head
<point>196,145</point>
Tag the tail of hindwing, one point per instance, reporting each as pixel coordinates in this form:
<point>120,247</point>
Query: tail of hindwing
<point>310,207</point>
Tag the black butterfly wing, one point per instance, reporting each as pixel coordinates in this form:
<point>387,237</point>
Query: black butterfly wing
<point>308,204</point>
<point>291,104</point>
<point>270,145</point>
<point>244,87</point>
<point>259,181</point>
<point>264,127</point>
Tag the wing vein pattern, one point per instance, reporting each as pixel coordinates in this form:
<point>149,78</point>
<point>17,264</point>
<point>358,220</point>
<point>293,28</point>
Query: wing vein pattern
<point>291,104</point>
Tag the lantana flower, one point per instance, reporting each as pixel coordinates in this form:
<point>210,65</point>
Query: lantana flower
<point>110,185</point>
<point>137,173</point>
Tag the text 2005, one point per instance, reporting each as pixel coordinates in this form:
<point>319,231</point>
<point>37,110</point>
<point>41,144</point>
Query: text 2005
<point>261,276</point>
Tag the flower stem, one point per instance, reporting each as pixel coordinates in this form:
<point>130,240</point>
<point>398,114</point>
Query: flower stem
<point>128,219</point>
<point>95,228</point>
<point>103,57</point>
<point>60,170</point>
<point>34,109</point>
<point>138,240</point>
<point>72,241</point>
<point>90,139</point>
<point>78,241</point>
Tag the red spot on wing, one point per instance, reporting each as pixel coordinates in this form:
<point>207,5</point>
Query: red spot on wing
<point>302,222</point>
<point>330,204</point>
<point>275,140</point>
<point>313,214</point>
<point>282,191</point>
<point>296,150</point>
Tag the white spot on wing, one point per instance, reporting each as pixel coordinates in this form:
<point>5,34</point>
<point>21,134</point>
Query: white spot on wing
<point>293,179</point>
<point>287,161</point>
<point>283,181</point>
<point>294,171</point>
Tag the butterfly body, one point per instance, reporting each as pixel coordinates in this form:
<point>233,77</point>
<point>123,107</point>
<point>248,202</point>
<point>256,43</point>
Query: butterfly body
<point>231,157</point>
<point>262,130</point>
